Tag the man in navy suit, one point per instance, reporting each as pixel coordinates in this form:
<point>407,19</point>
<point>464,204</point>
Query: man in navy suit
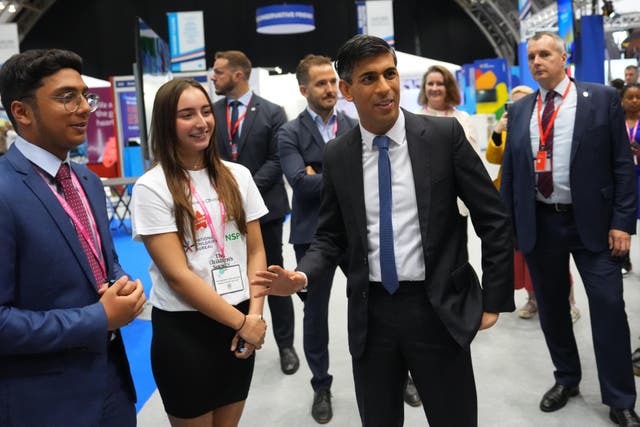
<point>301,144</point>
<point>390,187</point>
<point>246,126</point>
<point>62,360</point>
<point>568,180</point>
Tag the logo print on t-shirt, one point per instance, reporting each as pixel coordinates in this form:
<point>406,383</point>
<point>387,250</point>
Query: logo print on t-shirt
<point>201,221</point>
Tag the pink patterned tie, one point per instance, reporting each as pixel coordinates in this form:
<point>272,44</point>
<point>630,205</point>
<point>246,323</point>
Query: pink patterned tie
<point>63,177</point>
<point>545,179</point>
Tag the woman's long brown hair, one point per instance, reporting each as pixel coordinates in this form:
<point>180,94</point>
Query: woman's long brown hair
<point>164,145</point>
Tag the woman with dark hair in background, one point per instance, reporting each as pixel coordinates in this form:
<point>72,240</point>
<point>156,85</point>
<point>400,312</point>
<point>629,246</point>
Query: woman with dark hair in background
<point>631,105</point>
<point>198,218</point>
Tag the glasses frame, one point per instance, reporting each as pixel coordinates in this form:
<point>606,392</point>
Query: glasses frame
<point>92,99</point>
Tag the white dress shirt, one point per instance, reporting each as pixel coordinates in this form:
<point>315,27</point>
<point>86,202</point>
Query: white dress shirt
<point>327,130</point>
<point>406,228</point>
<point>562,137</point>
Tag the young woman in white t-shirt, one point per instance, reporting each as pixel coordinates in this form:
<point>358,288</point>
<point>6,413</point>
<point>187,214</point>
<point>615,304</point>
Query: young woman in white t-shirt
<point>198,218</point>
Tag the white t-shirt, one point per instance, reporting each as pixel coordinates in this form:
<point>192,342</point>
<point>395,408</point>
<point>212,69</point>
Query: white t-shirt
<point>152,213</point>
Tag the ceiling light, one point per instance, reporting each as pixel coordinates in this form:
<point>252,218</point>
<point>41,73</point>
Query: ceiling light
<point>607,9</point>
<point>12,8</point>
<point>2,5</point>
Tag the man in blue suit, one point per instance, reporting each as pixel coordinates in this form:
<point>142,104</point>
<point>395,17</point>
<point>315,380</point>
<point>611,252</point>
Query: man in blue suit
<point>62,360</point>
<point>568,180</point>
<point>301,144</point>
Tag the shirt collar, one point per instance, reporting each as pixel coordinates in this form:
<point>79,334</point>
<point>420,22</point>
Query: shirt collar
<point>396,134</point>
<point>559,89</point>
<point>244,99</point>
<point>39,156</point>
<point>316,117</point>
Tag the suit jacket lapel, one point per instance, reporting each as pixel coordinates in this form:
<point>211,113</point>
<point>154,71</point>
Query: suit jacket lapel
<point>312,128</point>
<point>43,193</point>
<point>524,136</point>
<point>222,131</point>
<point>353,167</point>
<point>247,123</point>
<point>420,155</point>
<point>343,124</point>
<point>583,111</point>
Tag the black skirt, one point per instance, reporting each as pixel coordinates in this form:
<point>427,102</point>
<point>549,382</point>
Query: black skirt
<point>192,365</point>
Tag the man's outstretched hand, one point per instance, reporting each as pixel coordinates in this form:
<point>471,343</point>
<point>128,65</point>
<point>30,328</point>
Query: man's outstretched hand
<point>277,281</point>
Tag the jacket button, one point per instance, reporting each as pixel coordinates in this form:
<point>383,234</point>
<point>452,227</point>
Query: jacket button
<point>366,261</point>
<point>364,294</point>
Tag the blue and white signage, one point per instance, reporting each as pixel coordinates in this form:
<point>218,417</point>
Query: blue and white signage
<point>186,38</point>
<point>285,19</point>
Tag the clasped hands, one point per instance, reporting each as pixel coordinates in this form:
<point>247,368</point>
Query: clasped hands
<point>123,301</point>
<point>252,331</point>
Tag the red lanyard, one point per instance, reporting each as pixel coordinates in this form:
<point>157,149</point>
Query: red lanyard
<point>632,136</point>
<point>218,239</point>
<point>236,126</point>
<point>545,133</point>
<point>78,224</point>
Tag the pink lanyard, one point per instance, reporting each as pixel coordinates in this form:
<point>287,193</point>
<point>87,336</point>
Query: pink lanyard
<point>76,221</point>
<point>214,234</point>
<point>632,136</point>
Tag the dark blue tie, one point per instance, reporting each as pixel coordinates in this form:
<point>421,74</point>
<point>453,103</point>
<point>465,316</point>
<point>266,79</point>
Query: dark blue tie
<point>387,254</point>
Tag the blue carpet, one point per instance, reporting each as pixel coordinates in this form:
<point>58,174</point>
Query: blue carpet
<point>135,260</point>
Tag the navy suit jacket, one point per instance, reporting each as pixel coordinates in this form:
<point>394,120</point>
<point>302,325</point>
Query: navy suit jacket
<point>602,175</point>
<point>53,329</point>
<point>258,150</point>
<point>444,167</point>
<point>300,144</point>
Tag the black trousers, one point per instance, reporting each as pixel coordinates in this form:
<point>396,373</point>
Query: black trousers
<point>404,333</point>
<point>556,238</point>
<point>316,324</point>
<point>281,307</point>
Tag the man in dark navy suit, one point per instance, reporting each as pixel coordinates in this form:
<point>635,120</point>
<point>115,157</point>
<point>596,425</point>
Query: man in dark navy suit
<point>390,187</point>
<point>246,126</point>
<point>301,143</point>
<point>63,294</point>
<point>569,182</point>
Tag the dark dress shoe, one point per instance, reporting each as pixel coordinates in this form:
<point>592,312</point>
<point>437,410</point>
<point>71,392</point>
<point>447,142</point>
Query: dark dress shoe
<point>557,397</point>
<point>289,362</point>
<point>411,396</point>
<point>624,417</point>
<point>321,410</point>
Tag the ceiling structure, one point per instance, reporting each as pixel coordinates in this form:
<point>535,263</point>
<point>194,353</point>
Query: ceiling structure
<point>498,20</point>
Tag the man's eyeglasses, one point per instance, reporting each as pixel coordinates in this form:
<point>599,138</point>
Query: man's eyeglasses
<point>72,101</point>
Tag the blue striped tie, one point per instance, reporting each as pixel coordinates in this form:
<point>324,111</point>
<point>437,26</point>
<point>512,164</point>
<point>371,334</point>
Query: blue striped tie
<point>387,254</point>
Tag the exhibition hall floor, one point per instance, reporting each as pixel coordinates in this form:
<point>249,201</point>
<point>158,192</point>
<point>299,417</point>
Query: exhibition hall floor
<point>511,364</point>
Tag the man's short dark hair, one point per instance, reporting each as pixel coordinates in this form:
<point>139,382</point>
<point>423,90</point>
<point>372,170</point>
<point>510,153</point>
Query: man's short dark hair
<point>22,74</point>
<point>237,60</point>
<point>631,67</point>
<point>359,47</point>
<point>302,70</point>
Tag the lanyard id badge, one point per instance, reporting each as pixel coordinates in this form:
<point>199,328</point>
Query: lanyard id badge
<point>227,279</point>
<point>542,163</point>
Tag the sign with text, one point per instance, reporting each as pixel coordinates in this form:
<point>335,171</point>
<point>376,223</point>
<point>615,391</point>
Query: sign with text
<point>186,39</point>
